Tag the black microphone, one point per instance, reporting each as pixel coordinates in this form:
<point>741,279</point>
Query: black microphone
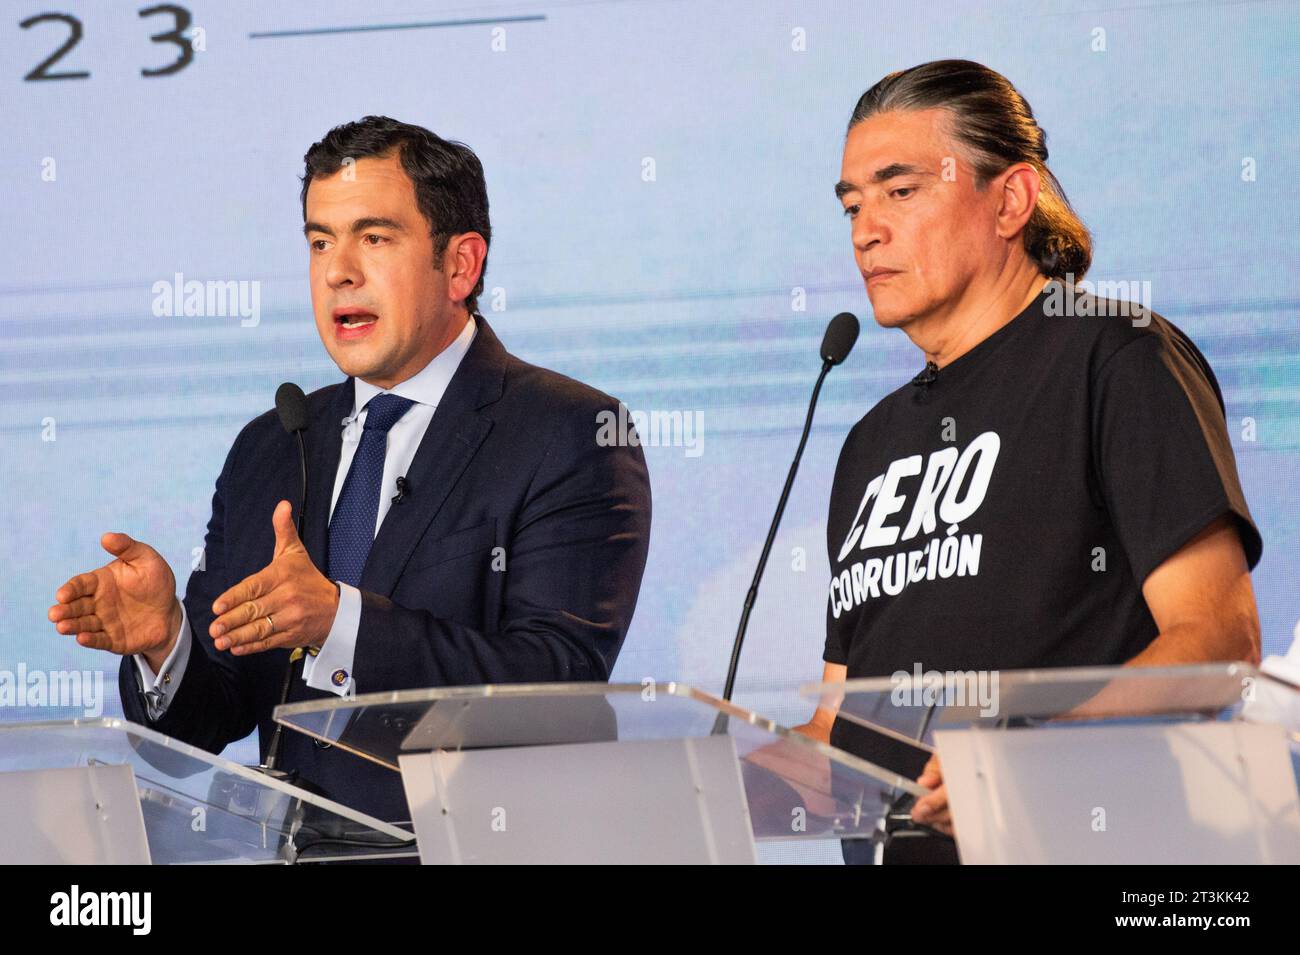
<point>841,335</point>
<point>291,406</point>
<point>403,489</point>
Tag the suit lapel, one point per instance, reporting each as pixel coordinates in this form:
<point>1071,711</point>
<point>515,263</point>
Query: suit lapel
<point>441,459</point>
<point>453,437</point>
<point>324,447</point>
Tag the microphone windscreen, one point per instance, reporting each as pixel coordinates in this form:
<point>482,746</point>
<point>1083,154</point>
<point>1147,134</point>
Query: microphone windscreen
<point>291,406</point>
<point>841,335</point>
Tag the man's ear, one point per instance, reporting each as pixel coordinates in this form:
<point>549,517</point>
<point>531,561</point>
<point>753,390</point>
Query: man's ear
<point>462,264</point>
<point>1018,187</point>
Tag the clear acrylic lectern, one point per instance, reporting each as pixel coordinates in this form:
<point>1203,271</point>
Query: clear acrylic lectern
<point>600,773</point>
<point>1187,764</point>
<point>91,791</point>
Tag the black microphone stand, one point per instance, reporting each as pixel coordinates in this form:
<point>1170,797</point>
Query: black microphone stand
<point>273,751</point>
<point>720,725</point>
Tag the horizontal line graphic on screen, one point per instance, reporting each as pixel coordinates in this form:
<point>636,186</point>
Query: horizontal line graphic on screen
<point>380,27</point>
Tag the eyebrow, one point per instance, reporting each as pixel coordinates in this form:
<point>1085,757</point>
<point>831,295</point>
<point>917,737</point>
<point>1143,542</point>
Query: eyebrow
<point>882,174</point>
<point>360,225</point>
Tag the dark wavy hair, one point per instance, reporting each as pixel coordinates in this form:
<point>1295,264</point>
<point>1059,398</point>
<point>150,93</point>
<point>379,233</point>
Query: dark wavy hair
<point>996,127</point>
<point>448,177</point>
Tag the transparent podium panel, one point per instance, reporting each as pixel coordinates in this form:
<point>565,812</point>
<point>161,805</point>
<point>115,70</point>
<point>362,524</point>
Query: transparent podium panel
<point>793,787</point>
<point>195,807</point>
<point>1188,764</point>
<point>910,707</point>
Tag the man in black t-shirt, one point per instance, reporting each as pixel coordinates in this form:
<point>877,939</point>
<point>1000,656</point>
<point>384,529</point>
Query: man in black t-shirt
<point>1057,487</point>
<point>1002,513</point>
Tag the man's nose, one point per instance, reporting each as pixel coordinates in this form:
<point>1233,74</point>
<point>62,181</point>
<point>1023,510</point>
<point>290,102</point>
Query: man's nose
<point>344,269</point>
<point>868,231</point>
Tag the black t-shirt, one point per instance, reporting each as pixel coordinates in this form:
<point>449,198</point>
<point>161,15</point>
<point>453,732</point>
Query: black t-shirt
<point>1005,515</point>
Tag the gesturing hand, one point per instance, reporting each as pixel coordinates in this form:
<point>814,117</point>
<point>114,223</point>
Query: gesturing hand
<point>289,603</point>
<point>127,606</point>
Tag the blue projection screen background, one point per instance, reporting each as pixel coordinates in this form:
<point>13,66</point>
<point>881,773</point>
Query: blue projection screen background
<point>664,228</point>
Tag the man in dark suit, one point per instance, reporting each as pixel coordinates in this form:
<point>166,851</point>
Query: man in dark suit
<point>512,551</point>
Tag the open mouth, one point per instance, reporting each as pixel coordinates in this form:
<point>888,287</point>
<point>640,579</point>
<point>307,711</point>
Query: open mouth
<point>353,323</point>
<point>357,320</point>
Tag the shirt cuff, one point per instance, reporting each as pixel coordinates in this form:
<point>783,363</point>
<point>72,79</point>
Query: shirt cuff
<point>159,688</point>
<point>331,669</point>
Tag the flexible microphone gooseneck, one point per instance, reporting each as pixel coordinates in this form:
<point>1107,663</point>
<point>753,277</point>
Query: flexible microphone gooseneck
<point>291,406</point>
<point>841,335</point>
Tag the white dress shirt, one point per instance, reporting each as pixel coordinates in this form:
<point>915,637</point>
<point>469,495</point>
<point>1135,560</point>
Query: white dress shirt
<point>332,668</point>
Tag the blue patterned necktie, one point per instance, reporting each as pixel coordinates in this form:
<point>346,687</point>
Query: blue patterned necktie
<point>352,527</point>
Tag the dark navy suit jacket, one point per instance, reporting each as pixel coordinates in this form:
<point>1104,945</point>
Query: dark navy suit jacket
<point>509,460</point>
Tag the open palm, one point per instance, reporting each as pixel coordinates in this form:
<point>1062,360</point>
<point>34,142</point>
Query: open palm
<point>127,606</point>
